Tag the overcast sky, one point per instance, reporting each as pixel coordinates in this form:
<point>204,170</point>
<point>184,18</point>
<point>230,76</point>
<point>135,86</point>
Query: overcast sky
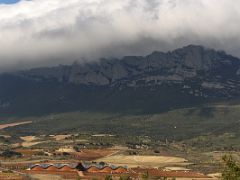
<point>42,32</point>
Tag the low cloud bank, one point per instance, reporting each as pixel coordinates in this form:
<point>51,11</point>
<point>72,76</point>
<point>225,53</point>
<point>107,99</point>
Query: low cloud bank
<point>47,32</point>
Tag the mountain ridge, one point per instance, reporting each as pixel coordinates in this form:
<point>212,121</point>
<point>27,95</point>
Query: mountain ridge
<point>184,62</point>
<point>159,81</point>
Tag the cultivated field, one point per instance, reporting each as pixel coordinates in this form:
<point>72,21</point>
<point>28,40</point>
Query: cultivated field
<point>46,176</point>
<point>93,154</point>
<point>144,161</point>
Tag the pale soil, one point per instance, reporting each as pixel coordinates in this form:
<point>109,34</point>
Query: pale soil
<point>66,149</point>
<point>144,161</point>
<point>215,175</point>
<point>6,176</point>
<point>93,154</point>
<point>29,144</point>
<point>61,137</point>
<point>103,135</point>
<point>29,138</point>
<point>3,126</point>
<point>176,169</point>
<point>30,141</point>
<point>46,177</point>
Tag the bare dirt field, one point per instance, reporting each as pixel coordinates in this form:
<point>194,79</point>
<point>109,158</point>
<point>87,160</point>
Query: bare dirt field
<point>29,144</point>
<point>46,176</point>
<point>3,126</point>
<point>144,161</point>
<point>10,176</point>
<point>93,154</point>
<point>69,149</point>
<point>176,169</point>
<point>29,138</point>
<point>53,175</point>
<point>61,137</point>
<point>30,141</point>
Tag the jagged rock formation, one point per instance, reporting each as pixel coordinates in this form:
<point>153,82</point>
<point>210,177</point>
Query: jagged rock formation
<point>192,73</point>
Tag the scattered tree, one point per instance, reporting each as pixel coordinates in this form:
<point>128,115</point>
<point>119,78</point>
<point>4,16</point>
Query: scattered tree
<point>66,154</point>
<point>108,177</point>
<point>125,178</point>
<point>145,176</point>
<point>76,148</point>
<point>231,169</point>
<point>102,163</point>
<point>40,153</point>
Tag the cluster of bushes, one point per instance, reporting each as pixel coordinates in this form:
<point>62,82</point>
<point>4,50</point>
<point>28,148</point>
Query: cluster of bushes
<point>9,154</point>
<point>231,169</point>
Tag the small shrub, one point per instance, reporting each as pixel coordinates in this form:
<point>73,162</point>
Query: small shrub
<point>66,154</point>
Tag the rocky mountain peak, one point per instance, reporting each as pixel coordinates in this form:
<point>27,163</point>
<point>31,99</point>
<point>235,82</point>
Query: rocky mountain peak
<point>160,81</point>
<point>178,65</point>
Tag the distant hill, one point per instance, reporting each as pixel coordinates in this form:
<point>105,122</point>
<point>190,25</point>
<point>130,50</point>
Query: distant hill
<point>189,76</point>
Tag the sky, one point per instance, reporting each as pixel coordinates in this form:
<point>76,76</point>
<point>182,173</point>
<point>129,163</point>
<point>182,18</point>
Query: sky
<point>8,1</point>
<point>51,32</point>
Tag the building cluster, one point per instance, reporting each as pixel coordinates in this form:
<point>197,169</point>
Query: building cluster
<point>101,170</point>
<point>82,169</point>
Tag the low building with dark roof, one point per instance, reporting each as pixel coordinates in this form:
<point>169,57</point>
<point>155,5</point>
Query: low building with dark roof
<point>83,166</point>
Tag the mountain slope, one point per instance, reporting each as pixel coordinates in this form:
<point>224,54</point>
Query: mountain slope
<point>158,82</point>
<point>212,122</point>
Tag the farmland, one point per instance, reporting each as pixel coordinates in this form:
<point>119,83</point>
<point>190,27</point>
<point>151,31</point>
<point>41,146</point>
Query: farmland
<point>147,141</point>
<point>145,161</point>
<point>155,157</point>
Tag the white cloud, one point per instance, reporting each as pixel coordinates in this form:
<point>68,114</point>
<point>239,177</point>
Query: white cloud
<point>55,31</point>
